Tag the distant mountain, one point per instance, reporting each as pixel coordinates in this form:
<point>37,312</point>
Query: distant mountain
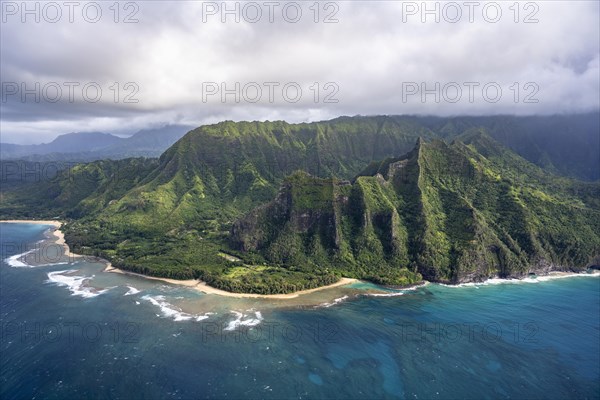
<point>454,210</point>
<point>90,146</point>
<point>78,142</point>
<point>567,145</point>
<point>146,143</point>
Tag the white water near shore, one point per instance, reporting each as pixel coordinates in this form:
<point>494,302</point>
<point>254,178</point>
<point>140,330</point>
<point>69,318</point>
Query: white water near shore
<point>393,294</point>
<point>334,302</point>
<point>534,279</point>
<point>132,291</point>
<point>78,285</point>
<point>16,261</point>
<point>19,260</point>
<point>244,320</point>
<point>168,310</point>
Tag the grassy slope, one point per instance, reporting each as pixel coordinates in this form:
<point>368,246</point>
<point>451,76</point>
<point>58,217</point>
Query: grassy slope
<point>452,213</point>
<point>171,217</point>
<point>174,219</point>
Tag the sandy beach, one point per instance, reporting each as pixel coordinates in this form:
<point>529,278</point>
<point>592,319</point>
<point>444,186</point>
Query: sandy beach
<point>192,283</point>
<point>60,236</point>
<point>57,224</point>
<point>204,288</point>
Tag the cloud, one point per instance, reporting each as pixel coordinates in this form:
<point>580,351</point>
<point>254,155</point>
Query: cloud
<point>175,63</point>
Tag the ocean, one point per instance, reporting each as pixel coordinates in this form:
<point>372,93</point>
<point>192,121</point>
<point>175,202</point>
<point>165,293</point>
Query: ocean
<point>69,330</point>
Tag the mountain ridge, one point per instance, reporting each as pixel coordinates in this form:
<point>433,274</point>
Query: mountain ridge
<point>404,219</point>
<point>433,220</point>
<point>91,146</point>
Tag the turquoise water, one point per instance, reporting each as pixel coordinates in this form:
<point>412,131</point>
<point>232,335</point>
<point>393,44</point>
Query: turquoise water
<point>74,331</point>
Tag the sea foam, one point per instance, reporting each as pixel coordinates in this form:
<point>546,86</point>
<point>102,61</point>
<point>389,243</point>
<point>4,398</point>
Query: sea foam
<point>390,294</point>
<point>17,261</point>
<point>170,311</point>
<point>397,292</point>
<point>132,291</point>
<point>532,279</point>
<point>333,303</point>
<point>76,284</point>
<point>244,320</point>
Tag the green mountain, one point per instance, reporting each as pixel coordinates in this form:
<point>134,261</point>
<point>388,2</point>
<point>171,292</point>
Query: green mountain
<point>563,144</point>
<point>72,191</point>
<point>216,173</point>
<point>188,213</point>
<point>452,213</point>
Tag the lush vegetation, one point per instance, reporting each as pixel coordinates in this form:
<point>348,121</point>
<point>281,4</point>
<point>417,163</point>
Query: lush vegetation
<point>444,212</point>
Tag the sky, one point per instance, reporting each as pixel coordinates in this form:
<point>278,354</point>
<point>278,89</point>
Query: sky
<point>96,66</point>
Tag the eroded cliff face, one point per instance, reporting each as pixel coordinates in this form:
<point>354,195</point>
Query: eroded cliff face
<point>443,212</point>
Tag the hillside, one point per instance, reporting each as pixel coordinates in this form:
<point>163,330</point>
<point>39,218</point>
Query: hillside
<point>452,213</point>
<point>217,172</point>
<point>566,145</point>
<point>443,211</point>
<point>77,191</point>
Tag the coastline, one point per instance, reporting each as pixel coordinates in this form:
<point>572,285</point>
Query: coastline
<point>551,275</point>
<point>58,234</point>
<point>204,288</point>
<point>57,224</point>
<point>191,283</point>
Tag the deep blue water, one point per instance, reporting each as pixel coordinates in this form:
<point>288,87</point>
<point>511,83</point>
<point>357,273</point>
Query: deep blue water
<point>67,337</point>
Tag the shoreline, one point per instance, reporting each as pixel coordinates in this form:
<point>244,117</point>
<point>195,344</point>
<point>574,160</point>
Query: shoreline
<point>191,283</point>
<point>551,275</point>
<point>204,288</point>
<point>58,234</point>
<point>54,222</point>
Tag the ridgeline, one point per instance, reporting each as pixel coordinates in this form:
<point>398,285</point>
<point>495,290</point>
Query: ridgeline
<point>300,205</point>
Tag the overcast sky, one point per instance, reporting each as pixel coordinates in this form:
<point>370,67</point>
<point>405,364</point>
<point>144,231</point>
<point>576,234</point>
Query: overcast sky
<point>172,65</point>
